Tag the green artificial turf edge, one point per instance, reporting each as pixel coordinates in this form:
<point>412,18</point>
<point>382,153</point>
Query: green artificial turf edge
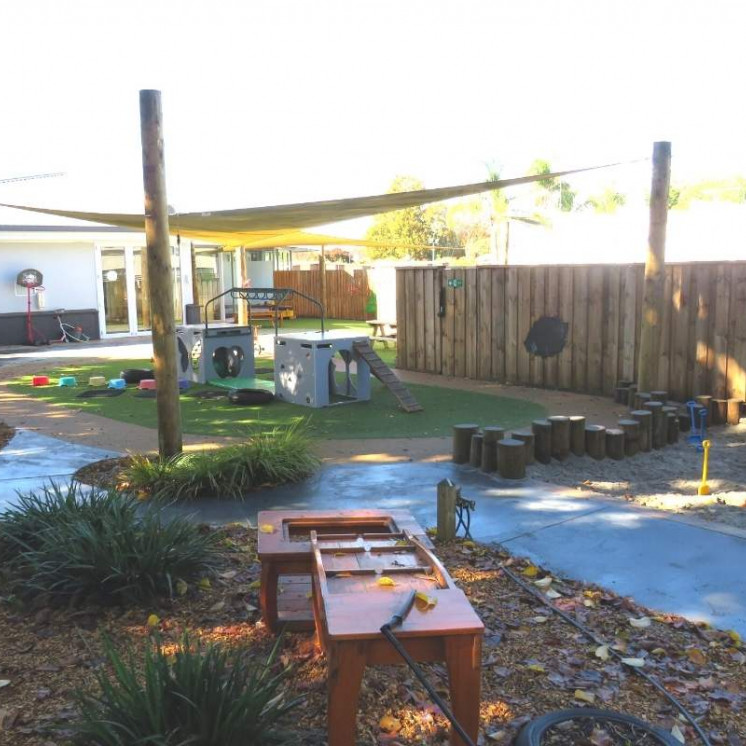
<point>379,418</point>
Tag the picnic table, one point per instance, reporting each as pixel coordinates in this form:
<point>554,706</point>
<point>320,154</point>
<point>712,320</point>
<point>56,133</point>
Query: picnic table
<point>351,604</point>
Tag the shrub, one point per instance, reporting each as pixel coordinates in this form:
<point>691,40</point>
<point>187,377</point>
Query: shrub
<point>71,542</point>
<point>201,695</point>
<point>273,457</point>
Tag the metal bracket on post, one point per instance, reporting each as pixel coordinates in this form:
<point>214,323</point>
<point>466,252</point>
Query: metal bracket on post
<point>464,508</point>
<point>454,511</point>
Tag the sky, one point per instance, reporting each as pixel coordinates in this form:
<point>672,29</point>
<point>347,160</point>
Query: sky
<point>270,102</point>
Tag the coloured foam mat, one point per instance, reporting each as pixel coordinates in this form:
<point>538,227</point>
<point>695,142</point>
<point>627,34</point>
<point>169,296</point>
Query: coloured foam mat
<point>96,393</point>
<point>243,383</point>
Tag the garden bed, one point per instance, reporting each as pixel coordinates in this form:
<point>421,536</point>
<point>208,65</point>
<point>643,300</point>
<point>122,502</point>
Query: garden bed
<point>533,662</point>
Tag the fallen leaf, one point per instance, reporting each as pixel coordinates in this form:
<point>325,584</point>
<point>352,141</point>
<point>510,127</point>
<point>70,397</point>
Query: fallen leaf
<point>384,580</point>
<point>600,737</point>
<point>389,724</point>
<point>181,587</point>
<point>267,528</point>
<point>219,606</point>
<point>4,682</point>
<point>640,623</point>
<point>551,593</point>
<point>204,583</point>
<point>634,662</point>
<point>544,582</point>
<point>538,667</point>
<point>154,620</point>
<point>468,544</point>
<point>602,652</point>
<point>696,656</point>
<point>677,734</point>
<point>431,578</point>
<point>531,571</point>
<point>585,696</point>
<point>256,584</point>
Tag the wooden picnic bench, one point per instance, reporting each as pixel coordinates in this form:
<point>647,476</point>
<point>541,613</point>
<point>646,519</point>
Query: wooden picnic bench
<point>351,604</point>
<point>284,549</point>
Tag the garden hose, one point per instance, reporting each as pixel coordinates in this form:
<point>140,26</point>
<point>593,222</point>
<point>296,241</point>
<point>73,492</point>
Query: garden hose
<point>598,641</point>
<point>387,631</point>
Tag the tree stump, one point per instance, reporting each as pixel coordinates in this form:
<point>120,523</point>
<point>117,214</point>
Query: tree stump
<point>718,411</point>
<point>542,430</point>
<point>615,444</point>
<point>577,435</point>
<point>685,423</point>
<point>640,398</point>
<point>733,411</point>
<point>511,458</point>
<point>475,452</point>
<point>645,418</point>
<point>462,442</point>
<point>489,455</point>
<point>661,396</point>
<point>631,395</point>
<point>621,395</point>
<point>595,441</point>
<point>560,436</point>
<point>672,428</point>
<point>492,433</point>
<point>631,429</point>
<point>659,425</point>
<point>528,438</point>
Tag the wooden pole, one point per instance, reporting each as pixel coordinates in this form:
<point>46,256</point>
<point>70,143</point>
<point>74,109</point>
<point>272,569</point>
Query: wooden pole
<point>195,277</point>
<point>322,277</point>
<point>160,275</point>
<point>447,494</point>
<point>652,298</point>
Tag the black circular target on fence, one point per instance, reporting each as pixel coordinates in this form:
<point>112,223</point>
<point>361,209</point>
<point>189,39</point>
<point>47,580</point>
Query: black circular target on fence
<point>547,337</point>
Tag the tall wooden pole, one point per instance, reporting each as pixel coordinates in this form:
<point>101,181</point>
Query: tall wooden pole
<point>322,276</point>
<point>655,262</point>
<point>160,275</point>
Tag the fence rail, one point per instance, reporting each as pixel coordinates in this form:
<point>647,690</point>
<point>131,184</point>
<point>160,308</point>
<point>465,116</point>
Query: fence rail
<point>347,292</point>
<point>473,322</point>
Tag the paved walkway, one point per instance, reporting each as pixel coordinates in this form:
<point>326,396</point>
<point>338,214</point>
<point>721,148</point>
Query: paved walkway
<point>663,562</point>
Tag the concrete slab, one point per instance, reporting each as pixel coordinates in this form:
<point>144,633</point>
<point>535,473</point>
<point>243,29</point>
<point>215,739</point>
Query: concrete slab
<point>665,564</point>
<point>31,460</point>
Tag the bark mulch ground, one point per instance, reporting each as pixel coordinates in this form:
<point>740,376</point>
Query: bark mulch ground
<point>6,434</point>
<point>533,661</point>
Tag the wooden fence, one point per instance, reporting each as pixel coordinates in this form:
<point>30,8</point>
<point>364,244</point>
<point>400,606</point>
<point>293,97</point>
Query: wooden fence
<point>477,329</point>
<point>347,292</point>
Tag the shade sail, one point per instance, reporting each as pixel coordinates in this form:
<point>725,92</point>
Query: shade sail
<point>237,227</point>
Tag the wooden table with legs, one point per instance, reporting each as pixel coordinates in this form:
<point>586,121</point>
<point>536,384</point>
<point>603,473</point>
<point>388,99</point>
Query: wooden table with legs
<point>351,604</point>
<point>284,549</point>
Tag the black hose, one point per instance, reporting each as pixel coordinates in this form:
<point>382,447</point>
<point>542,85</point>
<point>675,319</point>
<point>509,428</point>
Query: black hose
<point>388,633</point>
<point>598,641</point>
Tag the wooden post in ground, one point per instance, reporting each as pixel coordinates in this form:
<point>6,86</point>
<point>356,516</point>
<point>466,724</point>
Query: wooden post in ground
<point>577,435</point>
<point>447,494</point>
<point>542,430</point>
<point>160,275</point>
<point>322,277</point>
<point>462,442</point>
<point>595,441</point>
<point>652,298</point>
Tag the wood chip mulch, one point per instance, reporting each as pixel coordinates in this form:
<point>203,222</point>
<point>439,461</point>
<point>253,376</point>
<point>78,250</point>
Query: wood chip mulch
<point>6,434</point>
<point>533,661</point>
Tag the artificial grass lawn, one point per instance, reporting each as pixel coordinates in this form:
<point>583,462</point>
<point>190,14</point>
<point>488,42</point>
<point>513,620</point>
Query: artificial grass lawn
<point>378,418</point>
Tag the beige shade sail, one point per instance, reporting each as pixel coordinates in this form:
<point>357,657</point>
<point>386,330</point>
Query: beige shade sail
<point>282,225</point>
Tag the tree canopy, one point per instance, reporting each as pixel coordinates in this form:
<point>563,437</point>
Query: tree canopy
<point>413,232</point>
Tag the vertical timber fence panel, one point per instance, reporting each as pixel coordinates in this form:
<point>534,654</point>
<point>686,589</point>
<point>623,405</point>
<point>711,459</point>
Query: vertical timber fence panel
<point>473,322</point>
<point>347,291</point>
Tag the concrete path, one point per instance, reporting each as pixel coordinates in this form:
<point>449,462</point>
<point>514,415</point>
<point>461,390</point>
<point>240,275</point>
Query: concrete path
<point>663,562</point>
<point>31,460</point>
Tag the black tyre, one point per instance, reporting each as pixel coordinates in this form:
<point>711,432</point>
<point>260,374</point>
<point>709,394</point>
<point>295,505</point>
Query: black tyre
<point>135,375</point>
<point>247,397</point>
<point>532,733</point>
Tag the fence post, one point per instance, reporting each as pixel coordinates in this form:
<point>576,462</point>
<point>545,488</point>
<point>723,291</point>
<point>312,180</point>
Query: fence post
<point>652,297</point>
<point>447,494</point>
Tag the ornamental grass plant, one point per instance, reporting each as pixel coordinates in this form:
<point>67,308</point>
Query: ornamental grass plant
<point>71,542</point>
<point>270,457</point>
<point>202,695</point>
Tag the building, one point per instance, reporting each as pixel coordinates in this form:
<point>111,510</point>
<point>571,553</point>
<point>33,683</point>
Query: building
<point>95,273</point>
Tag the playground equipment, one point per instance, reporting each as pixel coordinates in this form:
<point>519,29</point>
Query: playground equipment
<point>226,351</point>
<point>147,384</point>
<point>32,279</point>
<point>704,488</point>
<point>698,432</point>
<point>40,381</point>
<point>97,381</point>
<point>117,383</point>
<point>68,381</point>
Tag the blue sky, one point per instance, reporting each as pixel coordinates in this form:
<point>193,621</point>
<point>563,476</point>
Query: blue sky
<point>272,102</point>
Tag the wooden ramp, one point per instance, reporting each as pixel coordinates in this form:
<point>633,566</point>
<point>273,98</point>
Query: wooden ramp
<point>387,377</point>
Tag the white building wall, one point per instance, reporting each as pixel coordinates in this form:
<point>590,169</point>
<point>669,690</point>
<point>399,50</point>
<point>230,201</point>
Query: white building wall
<point>68,269</point>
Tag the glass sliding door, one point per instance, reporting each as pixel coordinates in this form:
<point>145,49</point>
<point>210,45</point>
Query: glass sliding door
<point>115,295</point>
<point>142,291</point>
